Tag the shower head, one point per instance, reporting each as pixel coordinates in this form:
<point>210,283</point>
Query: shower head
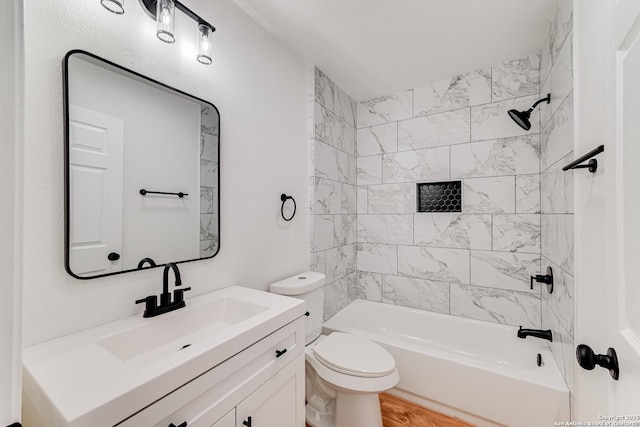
<point>522,117</point>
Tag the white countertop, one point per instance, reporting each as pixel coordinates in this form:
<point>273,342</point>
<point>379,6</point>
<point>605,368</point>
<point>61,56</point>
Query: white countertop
<point>76,381</point>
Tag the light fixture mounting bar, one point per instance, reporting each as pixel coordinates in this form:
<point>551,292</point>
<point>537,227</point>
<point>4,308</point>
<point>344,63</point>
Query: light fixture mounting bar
<point>149,7</point>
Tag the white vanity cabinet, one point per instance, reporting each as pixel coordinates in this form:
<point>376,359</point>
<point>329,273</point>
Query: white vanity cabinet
<point>254,383</point>
<point>242,356</point>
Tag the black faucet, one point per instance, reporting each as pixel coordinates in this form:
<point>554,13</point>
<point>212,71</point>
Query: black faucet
<point>152,307</point>
<point>144,261</point>
<point>539,333</point>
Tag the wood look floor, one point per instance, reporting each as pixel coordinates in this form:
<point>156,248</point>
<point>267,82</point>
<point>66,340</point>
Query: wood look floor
<point>398,412</point>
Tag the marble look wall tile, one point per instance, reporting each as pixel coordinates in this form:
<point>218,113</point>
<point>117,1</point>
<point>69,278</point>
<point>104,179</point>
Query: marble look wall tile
<point>323,232</point>
<point>385,109</point>
<point>557,136</point>
<point>461,91</point>
<point>208,248</point>
<point>331,163</point>
<point>443,95</point>
<point>209,147</point>
<point>369,170</point>
<point>362,195</point>
<point>206,200</point>
<point>419,165</point>
<point>489,195</point>
<point>385,228</point>
<point>210,120</point>
<point>495,305</point>
<point>391,198</point>
<point>545,54</point>
<point>339,134</point>
<point>320,122</point>
<point>340,261</point>
<point>328,196</point>
<point>368,286</point>
<point>344,229</point>
<point>549,236</point>
<point>561,77</point>
<point>319,262</point>
<point>449,127</point>
<point>564,25</point>
<point>416,293</point>
<point>353,170</point>
<point>209,227</point>
<point>556,188</point>
<point>528,193</point>
<point>565,242</point>
<point>504,270</point>
<point>505,156</point>
<point>516,78</point>
<point>464,231</point>
<point>446,265</point>
<point>344,107</point>
<point>208,173</point>
<point>568,185</point>
<point>349,199</point>
<point>516,233</point>
<point>562,346</point>
<point>545,108</point>
<point>561,300</point>
<point>491,121</point>
<point>377,139</point>
<point>324,90</point>
<point>336,297</point>
<point>377,258</point>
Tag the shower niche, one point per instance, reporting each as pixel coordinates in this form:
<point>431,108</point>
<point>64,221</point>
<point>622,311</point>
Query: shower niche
<point>444,196</point>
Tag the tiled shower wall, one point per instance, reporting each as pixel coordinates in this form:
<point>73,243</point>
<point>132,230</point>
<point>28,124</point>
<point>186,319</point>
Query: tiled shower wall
<point>476,263</point>
<point>557,186</point>
<point>209,138</point>
<point>333,190</point>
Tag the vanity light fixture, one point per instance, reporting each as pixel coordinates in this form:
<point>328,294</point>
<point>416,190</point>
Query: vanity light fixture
<point>164,13</point>
<point>113,6</point>
<point>166,19</point>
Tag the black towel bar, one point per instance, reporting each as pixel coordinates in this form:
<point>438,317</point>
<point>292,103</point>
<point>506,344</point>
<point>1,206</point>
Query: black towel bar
<point>145,192</point>
<point>593,163</point>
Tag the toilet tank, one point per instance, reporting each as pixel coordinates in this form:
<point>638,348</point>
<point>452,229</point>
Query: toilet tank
<point>309,287</point>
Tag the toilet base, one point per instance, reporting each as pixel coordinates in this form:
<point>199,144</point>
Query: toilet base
<point>358,410</point>
<point>317,418</point>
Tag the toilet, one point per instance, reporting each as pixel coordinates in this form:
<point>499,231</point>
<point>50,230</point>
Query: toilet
<point>343,373</point>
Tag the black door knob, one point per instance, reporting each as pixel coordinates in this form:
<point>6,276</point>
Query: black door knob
<point>588,360</point>
<point>113,256</point>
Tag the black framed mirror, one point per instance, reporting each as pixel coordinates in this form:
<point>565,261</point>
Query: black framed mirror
<point>141,171</point>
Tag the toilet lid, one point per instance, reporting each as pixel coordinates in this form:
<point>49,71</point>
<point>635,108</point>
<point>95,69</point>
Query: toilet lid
<point>354,355</point>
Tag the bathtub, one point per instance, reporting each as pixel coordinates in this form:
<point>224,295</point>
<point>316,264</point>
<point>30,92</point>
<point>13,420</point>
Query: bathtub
<point>477,371</point>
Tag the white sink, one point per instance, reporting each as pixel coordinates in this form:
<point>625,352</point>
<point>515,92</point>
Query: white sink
<point>130,363</point>
<point>174,331</point>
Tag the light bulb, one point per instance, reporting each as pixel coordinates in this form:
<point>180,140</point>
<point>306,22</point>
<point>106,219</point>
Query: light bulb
<point>204,44</point>
<point>166,20</point>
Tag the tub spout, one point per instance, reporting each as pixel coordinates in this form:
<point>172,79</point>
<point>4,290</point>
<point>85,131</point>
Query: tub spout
<point>539,333</point>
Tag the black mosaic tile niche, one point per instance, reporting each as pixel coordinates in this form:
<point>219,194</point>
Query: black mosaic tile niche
<point>443,196</point>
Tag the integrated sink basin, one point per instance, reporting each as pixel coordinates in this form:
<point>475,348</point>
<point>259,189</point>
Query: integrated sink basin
<point>94,376</point>
<point>174,331</point>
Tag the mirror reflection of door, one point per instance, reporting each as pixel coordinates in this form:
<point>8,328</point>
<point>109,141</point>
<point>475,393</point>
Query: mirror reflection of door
<point>95,180</point>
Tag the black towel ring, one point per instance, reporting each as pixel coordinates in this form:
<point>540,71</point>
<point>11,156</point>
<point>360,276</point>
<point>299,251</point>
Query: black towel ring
<point>284,198</point>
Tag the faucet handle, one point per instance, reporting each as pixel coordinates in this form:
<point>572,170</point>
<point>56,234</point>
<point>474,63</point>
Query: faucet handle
<point>151,303</point>
<point>178,295</point>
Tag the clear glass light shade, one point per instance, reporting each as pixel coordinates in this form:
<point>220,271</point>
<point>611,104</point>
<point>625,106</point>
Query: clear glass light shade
<point>166,19</point>
<point>204,44</point>
<point>113,6</point>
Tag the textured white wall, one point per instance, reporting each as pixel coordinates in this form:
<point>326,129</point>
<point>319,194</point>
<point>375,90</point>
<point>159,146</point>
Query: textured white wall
<point>261,91</point>
<point>10,208</point>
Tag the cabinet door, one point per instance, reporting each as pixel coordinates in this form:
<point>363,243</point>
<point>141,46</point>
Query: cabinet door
<point>279,402</point>
<point>228,420</point>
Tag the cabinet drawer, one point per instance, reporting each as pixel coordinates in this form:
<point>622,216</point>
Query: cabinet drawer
<point>208,397</point>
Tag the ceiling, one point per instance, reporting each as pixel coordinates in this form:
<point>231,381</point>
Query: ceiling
<point>378,47</point>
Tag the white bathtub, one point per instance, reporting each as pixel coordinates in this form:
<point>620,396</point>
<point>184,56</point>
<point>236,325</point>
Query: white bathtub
<point>478,371</point>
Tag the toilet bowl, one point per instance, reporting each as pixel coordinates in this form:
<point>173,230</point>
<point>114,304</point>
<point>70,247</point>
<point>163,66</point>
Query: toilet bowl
<point>343,373</point>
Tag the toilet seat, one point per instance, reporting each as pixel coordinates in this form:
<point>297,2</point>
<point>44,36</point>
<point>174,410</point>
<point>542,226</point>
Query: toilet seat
<point>346,380</point>
<point>354,355</point>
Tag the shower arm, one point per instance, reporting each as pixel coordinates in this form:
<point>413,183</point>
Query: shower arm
<point>546,98</point>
